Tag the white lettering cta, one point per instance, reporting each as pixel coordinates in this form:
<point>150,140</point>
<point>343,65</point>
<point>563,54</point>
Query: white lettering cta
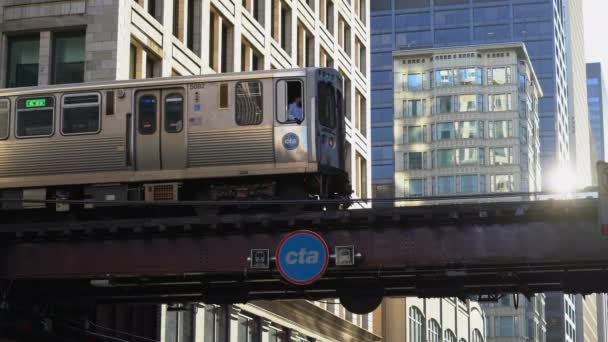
<point>304,257</point>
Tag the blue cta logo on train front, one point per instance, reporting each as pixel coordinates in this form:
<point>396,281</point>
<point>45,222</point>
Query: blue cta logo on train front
<point>291,141</point>
<point>302,257</point>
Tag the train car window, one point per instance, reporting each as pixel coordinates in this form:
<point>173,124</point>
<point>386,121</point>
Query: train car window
<point>146,112</point>
<point>174,113</point>
<point>290,101</point>
<point>35,117</point>
<point>81,114</point>
<point>110,102</point>
<point>4,118</point>
<point>327,105</point>
<point>223,95</point>
<point>249,103</point>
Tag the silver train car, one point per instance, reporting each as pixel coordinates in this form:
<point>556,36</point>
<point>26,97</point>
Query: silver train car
<point>275,134</point>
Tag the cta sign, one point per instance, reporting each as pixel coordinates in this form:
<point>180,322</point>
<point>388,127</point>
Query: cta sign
<point>302,257</point>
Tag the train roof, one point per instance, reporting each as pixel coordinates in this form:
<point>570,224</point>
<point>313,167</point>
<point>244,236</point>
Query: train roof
<point>161,81</point>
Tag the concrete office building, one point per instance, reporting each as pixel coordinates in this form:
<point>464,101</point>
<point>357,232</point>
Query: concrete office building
<point>465,121</point>
<point>431,320</point>
<point>560,314</point>
<point>586,318</point>
<point>597,96</point>
<point>524,323</point>
<point>414,24</point>
<point>580,131</point>
<point>52,42</point>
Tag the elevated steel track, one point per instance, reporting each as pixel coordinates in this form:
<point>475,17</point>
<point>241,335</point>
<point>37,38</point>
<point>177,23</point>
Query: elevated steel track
<point>168,253</point>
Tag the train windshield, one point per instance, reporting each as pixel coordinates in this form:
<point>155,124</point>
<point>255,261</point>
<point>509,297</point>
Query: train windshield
<point>327,105</point>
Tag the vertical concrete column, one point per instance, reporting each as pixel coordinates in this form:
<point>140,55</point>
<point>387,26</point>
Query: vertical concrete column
<point>233,323</point>
<point>199,323</point>
<point>237,38</point>
<point>247,57</point>
<point>292,33</point>
<point>141,65</point>
<point>123,40</point>
<point>216,63</point>
<point>167,57</point>
<point>301,48</point>
<point>205,37</point>
<point>268,22</point>
<point>163,323</point>
<point>44,59</point>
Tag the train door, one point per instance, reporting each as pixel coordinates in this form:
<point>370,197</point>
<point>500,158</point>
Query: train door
<point>160,136</point>
<point>291,130</point>
<point>328,125</point>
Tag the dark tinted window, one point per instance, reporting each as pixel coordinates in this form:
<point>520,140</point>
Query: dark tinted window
<point>408,4</point>
<point>80,114</point>
<point>23,56</point>
<point>4,118</point>
<point>223,95</point>
<point>68,57</point>
<point>327,105</point>
<point>147,114</point>
<point>249,103</point>
<point>174,113</point>
<point>35,117</point>
<point>380,5</point>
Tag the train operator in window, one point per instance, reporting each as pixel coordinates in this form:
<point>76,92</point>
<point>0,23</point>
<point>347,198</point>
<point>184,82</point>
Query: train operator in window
<point>294,110</point>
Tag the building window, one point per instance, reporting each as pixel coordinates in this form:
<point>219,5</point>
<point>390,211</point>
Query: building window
<point>448,336</point>
<point>306,47</point>
<point>414,160</point>
<point>290,106</point>
<point>23,58</point>
<point>414,82</point>
<point>470,103</point>
<point>522,82</point>
<point>445,185</point>
<point>501,156</point>
<point>468,156</point>
<point>416,325</point>
<point>445,158</point>
<point>326,14</point>
<point>278,334</point>
<point>444,78</point>
<point>503,326</point>
<point>248,103</point>
<point>469,76</point>
<point>68,57</point>
<point>81,114</point>
<point>499,76</point>
<point>221,42</point>
<point>251,58</point>
<point>249,329</point>
<point>414,108</point>
<point>216,321</point>
<point>360,112</point>
<point>501,129</point>
<point>180,325</point>
<point>443,104</point>
<point>470,130</point>
<point>443,131</point>
<point>415,134</point>
<point>281,24</point>
<point>35,117</point>
<point>503,183</point>
<point>477,336</point>
<point>361,176</point>
<point>472,184</point>
<point>434,331</point>
<point>415,187</point>
<point>344,34</point>
<point>499,102</point>
<point>360,56</point>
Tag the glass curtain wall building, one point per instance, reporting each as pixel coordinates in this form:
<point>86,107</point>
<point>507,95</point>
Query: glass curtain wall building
<point>413,24</point>
<point>597,94</point>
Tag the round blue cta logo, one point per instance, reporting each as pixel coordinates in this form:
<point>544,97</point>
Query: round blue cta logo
<point>302,257</point>
<point>291,141</point>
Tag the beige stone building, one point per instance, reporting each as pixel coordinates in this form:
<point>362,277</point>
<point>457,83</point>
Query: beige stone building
<point>508,322</point>
<point>465,121</point>
<point>66,41</point>
<point>413,319</point>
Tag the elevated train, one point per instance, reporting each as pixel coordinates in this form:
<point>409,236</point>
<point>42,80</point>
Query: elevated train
<point>213,137</point>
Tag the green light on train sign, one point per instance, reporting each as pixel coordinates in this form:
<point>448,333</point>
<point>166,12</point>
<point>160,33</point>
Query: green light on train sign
<point>35,103</point>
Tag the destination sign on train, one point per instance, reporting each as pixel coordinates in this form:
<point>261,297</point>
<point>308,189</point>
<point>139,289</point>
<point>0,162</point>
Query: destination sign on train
<point>35,103</point>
